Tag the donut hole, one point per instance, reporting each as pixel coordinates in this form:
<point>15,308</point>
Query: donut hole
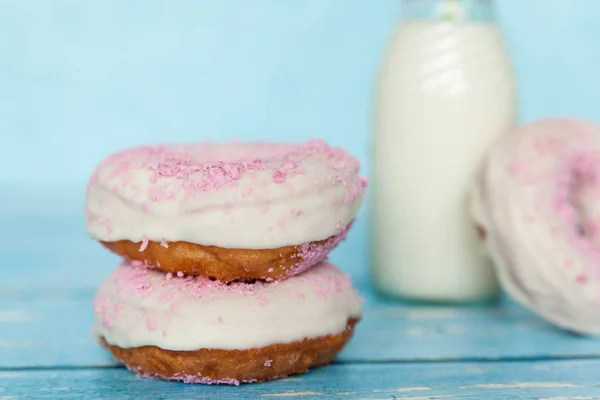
<point>584,196</point>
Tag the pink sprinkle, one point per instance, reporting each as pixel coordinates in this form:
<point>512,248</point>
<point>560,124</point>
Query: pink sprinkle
<point>320,291</point>
<point>164,333</point>
<point>107,225</point>
<point>216,172</point>
<point>158,195</point>
<point>164,244</point>
<point>232,170</point>
<point>180,274</point>
<point>145,207</point>
<point>282,224</point>
<point>108,322</point>
<point>516,168</point>
<point>320,177</point>
<point>220,319</point>
<point>268,363</point>
<point>151,323</point>
<point>289,165</point>
<point>137,263</point>
<point>278,176</point>
<point>262,301</point>
<point>247,193</point>
<point>174,307</point>
<point>312,254</point>
<point>339,164</point>
<point>118,309</point>
<point>351,195</point>
<point>296,213</point>
<point>582,278</point>
<point>364,182</point>
<point>144,243</point>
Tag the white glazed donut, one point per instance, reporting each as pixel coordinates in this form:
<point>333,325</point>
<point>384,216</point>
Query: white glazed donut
<point>137,307</point>
<point>228,211</point>
<point>537,202</point>
<point>196,330</point>
<point>231,195</point>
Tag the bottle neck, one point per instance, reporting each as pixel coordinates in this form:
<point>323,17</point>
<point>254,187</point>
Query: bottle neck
<point>449,10</point>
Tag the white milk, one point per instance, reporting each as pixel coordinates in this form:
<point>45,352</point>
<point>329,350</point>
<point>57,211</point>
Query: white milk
<point>445,92</point>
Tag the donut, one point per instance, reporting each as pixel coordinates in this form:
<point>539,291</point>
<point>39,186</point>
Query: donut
<point>198,330</point>
<point>536,203</point>
<point>228,211</point>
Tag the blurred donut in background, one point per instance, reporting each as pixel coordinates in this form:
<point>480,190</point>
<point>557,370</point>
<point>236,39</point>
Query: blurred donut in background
<point>536,204</point>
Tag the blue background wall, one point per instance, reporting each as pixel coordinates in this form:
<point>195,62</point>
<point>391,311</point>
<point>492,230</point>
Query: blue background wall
<point>80,79</point>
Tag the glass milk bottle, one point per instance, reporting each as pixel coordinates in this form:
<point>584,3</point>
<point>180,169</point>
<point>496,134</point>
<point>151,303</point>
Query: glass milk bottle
<point>445,91</point>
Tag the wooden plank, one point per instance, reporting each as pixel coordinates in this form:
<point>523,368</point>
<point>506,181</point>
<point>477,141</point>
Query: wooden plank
<point>392,332</point>
<point>57,334</point>
<point>508,380</point>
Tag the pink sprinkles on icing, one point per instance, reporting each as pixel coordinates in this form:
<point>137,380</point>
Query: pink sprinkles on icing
<point>138,282</point>
<point>188,171</point>
<point>312,254</point>
<point>151,323</point>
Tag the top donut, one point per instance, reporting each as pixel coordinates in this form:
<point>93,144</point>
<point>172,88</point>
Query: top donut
<point>230,211</point>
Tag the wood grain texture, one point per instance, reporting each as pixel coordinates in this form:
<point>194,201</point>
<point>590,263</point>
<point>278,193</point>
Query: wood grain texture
<point>399,350</point>
<point>494,380</point>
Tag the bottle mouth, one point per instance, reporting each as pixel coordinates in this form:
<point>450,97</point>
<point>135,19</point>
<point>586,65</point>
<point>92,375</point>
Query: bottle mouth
<point>449,10</point>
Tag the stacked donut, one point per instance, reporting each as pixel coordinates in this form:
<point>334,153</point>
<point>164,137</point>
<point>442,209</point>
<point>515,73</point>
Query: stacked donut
<point>225,277</point>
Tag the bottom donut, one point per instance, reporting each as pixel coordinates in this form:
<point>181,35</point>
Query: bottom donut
<point>196,330</point>
<point>233,367</point>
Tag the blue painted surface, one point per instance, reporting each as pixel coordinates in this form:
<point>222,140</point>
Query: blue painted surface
<point>518,380</point>
<point>45,321</point>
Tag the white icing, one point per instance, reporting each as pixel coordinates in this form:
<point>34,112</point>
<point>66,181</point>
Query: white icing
<point>138,307</point>
<point>128,200</point>
<point>528,202</point>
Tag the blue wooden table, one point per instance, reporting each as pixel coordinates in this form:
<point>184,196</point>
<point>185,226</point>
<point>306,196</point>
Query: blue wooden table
<point>51,271</point>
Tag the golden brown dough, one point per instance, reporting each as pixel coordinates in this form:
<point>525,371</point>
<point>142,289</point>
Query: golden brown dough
<point>211,366</point>
<point>227,265</point>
